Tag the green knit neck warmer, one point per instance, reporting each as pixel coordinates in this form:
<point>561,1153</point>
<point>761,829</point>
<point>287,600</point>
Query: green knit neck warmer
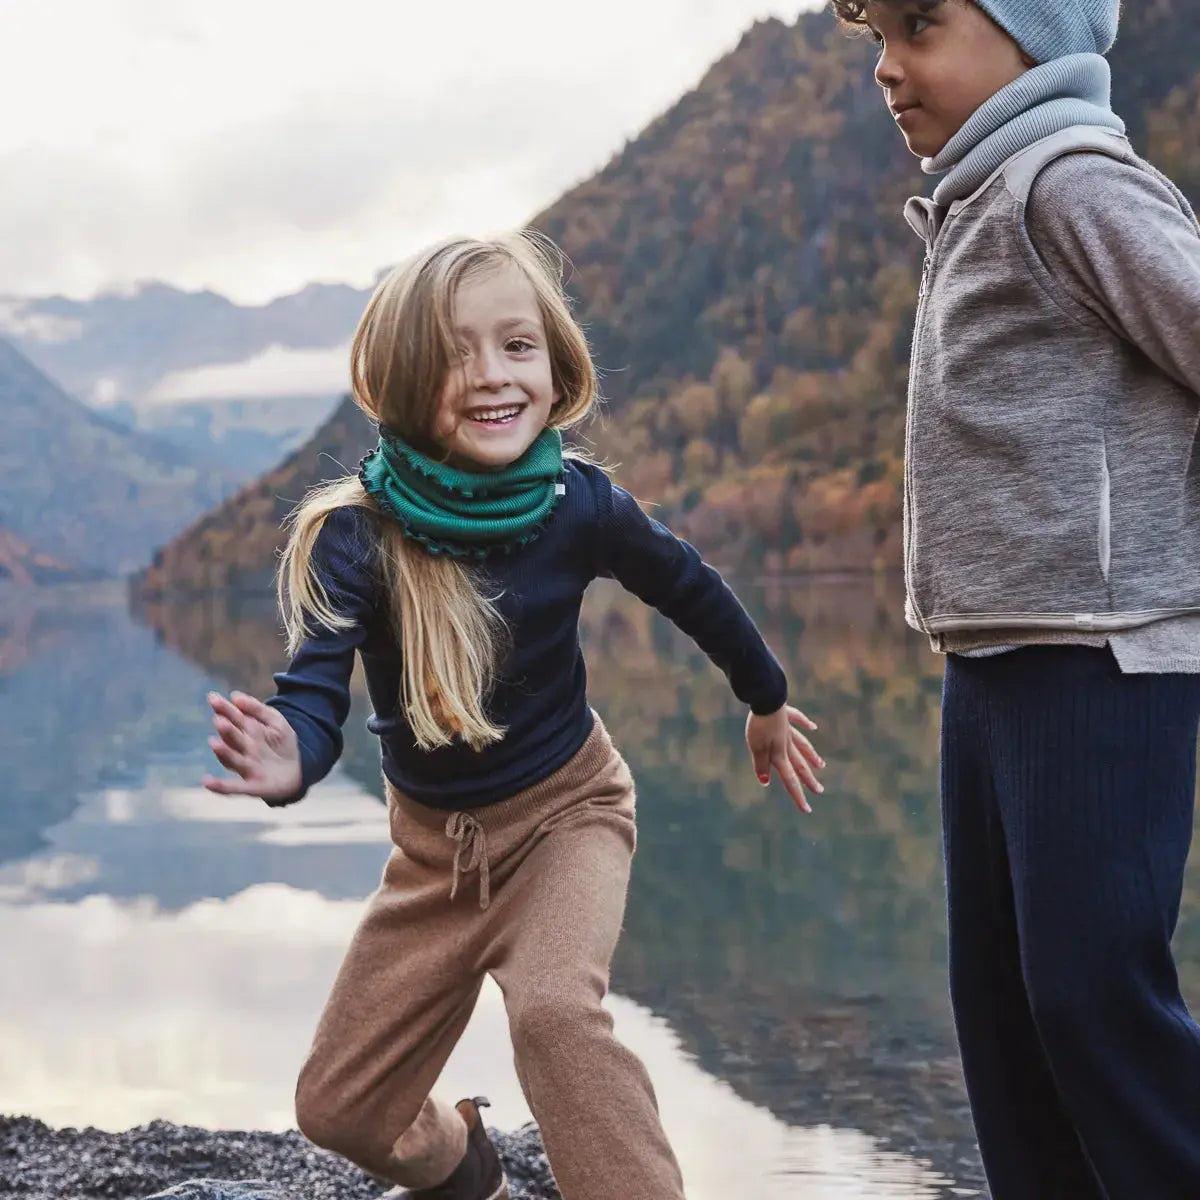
<point>466,514</point>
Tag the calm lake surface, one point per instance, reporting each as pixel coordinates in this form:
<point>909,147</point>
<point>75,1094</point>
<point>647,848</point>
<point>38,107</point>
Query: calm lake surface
<point>165,952</point>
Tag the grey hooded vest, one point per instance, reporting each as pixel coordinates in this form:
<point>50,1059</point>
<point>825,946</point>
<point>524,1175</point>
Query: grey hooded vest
<point>1052,480</point>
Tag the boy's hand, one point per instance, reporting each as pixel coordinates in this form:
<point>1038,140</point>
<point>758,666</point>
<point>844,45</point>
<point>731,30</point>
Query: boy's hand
<point>775,742</point>
<point>255,742</point>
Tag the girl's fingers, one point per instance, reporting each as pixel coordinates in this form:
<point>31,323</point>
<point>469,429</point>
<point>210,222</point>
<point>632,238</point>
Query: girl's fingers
<point>231,735</point>
<point>226,787</point>
<point>762,766</point>
<point>223,708</point>
<point>256,710</point>
<point>794,714</point>
<point>806,748</point>
<point>804,770</point>
<point>231,760</point>
<point>792,783</point>
<point>760,752</point>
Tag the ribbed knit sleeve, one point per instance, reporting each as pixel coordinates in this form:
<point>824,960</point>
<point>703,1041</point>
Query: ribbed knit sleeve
<point>647,559</point>
<point>313,694</point>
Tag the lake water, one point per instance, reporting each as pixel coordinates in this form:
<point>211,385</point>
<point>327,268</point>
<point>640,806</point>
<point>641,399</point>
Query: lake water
<point>166,952</point>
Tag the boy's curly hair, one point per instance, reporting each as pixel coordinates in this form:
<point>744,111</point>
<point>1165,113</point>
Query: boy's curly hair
<point>851,12</point>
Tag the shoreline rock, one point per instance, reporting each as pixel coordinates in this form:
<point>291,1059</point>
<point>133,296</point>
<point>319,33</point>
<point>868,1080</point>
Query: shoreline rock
<point>163,1161</point>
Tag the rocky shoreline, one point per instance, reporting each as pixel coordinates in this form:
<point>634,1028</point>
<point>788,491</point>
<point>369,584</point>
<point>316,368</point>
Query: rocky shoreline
<point>162,1160</point>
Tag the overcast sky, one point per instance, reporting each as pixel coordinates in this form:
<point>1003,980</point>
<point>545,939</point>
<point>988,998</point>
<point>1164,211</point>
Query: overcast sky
<point>253,146</point>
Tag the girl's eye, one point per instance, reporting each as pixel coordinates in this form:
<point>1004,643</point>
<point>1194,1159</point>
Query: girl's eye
<point>518,345</point>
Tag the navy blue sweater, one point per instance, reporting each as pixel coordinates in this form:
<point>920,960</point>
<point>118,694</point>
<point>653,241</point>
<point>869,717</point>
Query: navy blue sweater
<point>597,530</point>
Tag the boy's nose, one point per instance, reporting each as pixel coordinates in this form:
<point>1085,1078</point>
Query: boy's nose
<point>888,72</point>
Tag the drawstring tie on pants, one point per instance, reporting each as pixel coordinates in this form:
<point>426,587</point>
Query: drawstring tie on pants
<point>471,839</point>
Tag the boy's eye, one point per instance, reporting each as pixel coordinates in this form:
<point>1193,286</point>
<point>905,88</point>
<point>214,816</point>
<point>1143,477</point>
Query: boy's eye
<point>915,25</point>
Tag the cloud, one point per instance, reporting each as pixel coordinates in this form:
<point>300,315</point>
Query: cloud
<point>17,319</point>
<point>277,371</point>
<point>221,146</point>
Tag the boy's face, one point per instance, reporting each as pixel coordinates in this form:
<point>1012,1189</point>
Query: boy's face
<point>939,60</point>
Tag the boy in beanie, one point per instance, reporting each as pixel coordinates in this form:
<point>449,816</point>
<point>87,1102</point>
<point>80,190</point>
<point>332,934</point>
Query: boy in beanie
<point>1052,551</point>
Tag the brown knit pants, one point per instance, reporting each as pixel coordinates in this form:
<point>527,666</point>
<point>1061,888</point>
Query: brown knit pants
<point>532,892</point>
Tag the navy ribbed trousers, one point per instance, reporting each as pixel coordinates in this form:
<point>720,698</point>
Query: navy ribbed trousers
<point>1067,800</point>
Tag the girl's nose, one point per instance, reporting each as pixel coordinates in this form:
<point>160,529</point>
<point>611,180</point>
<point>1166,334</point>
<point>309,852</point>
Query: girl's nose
<point>888,72</point>
<point>491,370</point>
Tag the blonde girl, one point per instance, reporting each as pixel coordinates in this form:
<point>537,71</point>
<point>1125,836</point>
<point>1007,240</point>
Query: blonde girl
<point>454,564</point>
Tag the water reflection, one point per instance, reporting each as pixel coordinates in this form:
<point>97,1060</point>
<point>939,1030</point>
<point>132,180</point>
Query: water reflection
<point>197,1016</point>
<point>784,977</point>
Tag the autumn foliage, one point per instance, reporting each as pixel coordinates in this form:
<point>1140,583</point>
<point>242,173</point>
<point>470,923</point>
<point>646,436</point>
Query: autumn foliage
<point>748,285</point>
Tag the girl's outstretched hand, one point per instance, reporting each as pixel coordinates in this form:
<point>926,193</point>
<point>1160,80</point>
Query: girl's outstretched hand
<point>256,743</point>
<point>774,741</point>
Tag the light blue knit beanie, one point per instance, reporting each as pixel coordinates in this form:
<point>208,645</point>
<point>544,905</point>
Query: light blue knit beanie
<point>1050,29</point>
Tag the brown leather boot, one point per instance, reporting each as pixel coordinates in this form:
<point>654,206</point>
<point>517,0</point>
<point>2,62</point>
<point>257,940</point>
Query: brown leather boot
<point>478,1177</point>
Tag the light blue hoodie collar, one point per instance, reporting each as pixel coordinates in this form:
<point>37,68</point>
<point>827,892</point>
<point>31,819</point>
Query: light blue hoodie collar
<point>1075,90</point>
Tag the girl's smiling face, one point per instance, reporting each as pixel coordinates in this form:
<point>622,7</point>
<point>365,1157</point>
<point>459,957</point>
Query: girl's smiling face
<point>939,60</point>
<point>498,397</point>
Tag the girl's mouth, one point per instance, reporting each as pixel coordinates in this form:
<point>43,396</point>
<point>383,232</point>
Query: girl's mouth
<point>498,417</point>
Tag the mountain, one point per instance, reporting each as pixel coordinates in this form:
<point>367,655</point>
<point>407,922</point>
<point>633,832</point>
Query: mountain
<point>746,264</point>
<point>230,384</point>
<point>749,284</point>
<point>21,565</point>
<point>246,437</point>
<point>234,545</point>
<point>84,490</point>
<point>116,347</point>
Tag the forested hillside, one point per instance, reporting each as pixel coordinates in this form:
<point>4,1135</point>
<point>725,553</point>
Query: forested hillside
<point>748,284</point>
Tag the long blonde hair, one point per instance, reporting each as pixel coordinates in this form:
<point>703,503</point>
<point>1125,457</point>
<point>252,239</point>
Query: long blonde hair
<point>451,636</point>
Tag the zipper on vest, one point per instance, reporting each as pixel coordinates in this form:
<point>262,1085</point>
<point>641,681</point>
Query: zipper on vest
<point>910,425</point>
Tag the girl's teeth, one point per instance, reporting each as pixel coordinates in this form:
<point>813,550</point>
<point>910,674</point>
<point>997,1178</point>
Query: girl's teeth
<point>503,414</point>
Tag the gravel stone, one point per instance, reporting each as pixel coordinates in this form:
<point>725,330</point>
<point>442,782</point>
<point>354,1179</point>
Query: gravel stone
<point>162,1161</point>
